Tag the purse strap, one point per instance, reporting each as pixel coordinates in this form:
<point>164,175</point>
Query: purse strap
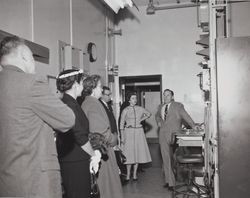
<point>93,178</point>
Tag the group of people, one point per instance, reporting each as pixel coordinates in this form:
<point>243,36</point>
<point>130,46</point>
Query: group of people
<point>31,118</point>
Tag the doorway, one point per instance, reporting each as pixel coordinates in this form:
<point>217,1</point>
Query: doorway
<point>149,94</point>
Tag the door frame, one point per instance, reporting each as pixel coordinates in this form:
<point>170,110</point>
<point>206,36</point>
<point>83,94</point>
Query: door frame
<point>153,82</point>
<point>149,80</point>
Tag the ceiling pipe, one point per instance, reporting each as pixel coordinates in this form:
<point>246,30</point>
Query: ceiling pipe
<point>176,6</point>
<point>151,8</point>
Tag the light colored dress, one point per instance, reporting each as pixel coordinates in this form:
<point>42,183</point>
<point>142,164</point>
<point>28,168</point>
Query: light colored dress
<point>135,146</point>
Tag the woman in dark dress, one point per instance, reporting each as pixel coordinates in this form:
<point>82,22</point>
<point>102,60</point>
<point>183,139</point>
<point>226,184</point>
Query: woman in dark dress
<point>74,148</point>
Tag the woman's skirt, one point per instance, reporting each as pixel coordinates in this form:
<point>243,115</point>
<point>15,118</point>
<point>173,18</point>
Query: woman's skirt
<point>135,146</point>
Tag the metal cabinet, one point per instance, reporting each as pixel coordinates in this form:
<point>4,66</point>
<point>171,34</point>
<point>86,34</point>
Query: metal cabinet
<point>233,81</point>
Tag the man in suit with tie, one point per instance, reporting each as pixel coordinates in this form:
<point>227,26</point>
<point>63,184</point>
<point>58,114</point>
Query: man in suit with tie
<point>169,118</point>
<point>106,102</point>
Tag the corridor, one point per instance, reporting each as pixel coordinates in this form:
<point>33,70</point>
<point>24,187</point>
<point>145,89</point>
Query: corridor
<point>150,183</point>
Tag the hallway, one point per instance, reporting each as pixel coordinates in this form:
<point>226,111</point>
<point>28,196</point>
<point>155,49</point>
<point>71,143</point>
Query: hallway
<point>150,183</point>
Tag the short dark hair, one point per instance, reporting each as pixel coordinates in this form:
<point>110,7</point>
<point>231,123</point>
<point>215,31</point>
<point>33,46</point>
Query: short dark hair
<point>9,43</point>
<point>169,90</point>
<point>105,88</point>
<point>129,94</point>
<point>64,84</point>
<point>89,84</point>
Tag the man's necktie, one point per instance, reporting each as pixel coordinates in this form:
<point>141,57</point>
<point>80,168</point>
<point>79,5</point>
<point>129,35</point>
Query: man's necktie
<point>110,108</point>
<point>165,112</point>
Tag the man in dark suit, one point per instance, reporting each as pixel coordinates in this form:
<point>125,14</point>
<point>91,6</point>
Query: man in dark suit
<point>28,111</point>
<point>106,102</point>
<point>169,118</point>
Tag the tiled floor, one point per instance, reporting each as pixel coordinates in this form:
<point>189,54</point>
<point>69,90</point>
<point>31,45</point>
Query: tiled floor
<point>150,183</point>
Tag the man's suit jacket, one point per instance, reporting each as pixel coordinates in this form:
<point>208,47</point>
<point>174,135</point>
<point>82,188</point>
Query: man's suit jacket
<point>28,158</point>
<point>173,123</point>
<point>111,116</point>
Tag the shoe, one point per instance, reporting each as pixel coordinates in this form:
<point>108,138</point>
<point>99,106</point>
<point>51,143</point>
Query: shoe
<point>135,179</point>
<point>126,180</point>
<point>127,177</point>
<point>171,188</point>
<point>166,185</point>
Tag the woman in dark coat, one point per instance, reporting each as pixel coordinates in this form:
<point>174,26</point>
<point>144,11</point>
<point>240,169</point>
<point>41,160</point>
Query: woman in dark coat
<point>74,148</point>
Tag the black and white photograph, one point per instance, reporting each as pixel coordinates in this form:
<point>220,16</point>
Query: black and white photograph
<point>124,98</point>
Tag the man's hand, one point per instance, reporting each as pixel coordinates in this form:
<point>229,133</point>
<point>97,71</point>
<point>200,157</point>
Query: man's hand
<point>94,162</point>
<point>197,128</point>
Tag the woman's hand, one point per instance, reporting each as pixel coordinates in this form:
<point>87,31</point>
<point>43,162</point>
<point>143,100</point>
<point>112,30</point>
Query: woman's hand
<point>94,162</point>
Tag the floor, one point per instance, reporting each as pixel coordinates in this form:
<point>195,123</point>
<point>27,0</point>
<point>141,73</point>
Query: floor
<point>150,183</point>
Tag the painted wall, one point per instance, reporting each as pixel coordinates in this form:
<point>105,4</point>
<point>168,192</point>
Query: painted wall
<point>239,19</point>
<point>163,43</point>
<point>51,23</point>
<point>47,21</point>
<point>15,17</point>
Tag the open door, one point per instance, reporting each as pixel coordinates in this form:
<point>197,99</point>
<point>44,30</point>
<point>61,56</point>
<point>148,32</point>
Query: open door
<point>148,89</point>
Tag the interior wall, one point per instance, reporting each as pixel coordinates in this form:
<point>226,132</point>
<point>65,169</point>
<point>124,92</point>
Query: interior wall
<point>239,19</point>
<point>51,22</point>
<point>15,17</point>
<point>163,43</point>
<point>88,27</point>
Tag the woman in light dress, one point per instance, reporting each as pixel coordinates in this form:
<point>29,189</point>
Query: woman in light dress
<point>133,140</point>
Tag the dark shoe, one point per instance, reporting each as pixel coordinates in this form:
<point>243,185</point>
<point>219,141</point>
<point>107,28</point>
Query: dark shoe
<point>124,182</point>
<point>166,185</point>
<point>135,179</point>
<point>171,188</point>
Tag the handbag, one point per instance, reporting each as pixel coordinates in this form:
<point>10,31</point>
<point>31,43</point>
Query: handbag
<point>95,192</point>
<point>120,157</point>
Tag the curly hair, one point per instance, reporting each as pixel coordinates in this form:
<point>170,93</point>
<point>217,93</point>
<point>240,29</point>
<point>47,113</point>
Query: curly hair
<point>89,84</point>
<point>129,94</point>
<point>66,83</point>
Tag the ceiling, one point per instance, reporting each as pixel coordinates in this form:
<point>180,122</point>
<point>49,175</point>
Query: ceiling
<point>159,2</point>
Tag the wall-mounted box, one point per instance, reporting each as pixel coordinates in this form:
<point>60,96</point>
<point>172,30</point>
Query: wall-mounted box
<point>73,57</point>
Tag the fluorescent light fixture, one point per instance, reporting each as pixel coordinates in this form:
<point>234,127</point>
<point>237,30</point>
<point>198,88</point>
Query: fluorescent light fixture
<point>115,5</point>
